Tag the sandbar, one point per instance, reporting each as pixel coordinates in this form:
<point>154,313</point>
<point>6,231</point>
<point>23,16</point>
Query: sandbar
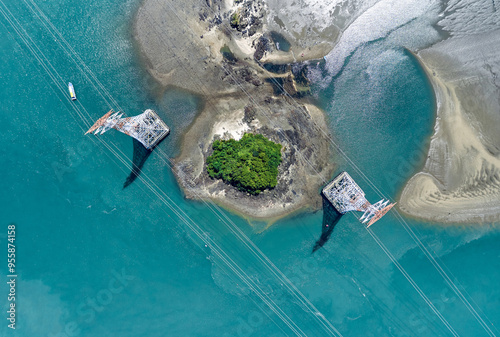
<point>460,181</point>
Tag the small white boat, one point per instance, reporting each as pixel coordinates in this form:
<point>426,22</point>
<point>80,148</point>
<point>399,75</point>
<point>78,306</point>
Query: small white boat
<point>71,91</point>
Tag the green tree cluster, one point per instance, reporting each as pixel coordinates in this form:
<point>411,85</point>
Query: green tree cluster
<point>250,164</point>
<point>235,19</point>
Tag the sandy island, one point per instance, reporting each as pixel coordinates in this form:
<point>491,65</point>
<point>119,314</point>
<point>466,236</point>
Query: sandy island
<point>460,181</point>
<point>183,44</point>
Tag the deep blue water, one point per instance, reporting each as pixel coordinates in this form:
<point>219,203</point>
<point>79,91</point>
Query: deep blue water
<point>95,260</point>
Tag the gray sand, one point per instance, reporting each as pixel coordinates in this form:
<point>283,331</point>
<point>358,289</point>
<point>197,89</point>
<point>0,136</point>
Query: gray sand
<point>460,181</point>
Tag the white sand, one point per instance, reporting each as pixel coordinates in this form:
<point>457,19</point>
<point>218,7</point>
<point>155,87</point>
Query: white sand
<point>231,127</point>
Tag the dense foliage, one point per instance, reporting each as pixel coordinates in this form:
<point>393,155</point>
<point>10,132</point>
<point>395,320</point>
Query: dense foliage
<point>250,164</point>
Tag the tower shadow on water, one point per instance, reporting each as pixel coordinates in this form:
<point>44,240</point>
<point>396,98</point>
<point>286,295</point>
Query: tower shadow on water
<point>146,129</point>
<point>139,157</point>
<point>330,219</point>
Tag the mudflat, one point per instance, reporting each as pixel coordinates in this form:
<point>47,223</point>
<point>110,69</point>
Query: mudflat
<point>201,46</point>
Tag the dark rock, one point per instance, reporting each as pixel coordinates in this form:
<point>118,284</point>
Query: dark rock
<point>289,85</point>
<point>263,45</point>
<point>252,30</point>
<point>249,114</point>
<point>238,20</point>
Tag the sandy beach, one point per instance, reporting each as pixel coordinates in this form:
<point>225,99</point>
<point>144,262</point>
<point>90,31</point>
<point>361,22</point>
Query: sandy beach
<point>182,45</point>
<point>460,181</point>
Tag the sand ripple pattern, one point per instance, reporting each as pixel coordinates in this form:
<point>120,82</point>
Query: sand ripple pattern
<point>460,181</point>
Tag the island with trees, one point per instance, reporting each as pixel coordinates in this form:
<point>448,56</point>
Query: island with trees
<point>259,146</point>
<point>250,164</point>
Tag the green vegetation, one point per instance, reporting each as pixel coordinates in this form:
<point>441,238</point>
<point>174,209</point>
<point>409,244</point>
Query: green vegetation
<point>250,164</point>
<point>235,19</point>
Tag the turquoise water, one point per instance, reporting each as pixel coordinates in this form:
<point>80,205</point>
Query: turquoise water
<point>280,41</point>
<point>96,260</point>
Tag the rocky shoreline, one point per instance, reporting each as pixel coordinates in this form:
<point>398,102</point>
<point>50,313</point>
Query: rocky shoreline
<point>217,49</point>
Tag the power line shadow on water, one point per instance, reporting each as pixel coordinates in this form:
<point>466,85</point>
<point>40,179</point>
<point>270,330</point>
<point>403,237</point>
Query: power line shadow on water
<point>330,219</point>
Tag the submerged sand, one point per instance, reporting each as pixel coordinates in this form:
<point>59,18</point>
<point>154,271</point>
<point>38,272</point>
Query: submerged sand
<point>460,181</point>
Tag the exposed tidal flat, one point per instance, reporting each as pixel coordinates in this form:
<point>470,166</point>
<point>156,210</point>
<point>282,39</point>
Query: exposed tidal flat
<point>220,49</point>
<point>223,47</point>
<point>460,181</point>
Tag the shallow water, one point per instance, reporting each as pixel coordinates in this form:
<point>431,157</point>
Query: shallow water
<point>96,260</point>
<point>280,41</point>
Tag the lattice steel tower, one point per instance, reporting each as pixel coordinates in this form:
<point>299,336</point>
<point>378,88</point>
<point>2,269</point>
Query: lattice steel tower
<point>147,127</point>
<point>345,195</point>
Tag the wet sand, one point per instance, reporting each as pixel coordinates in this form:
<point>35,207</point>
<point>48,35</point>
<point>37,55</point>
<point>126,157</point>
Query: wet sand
<point>460,181</point>
<point>298,186</point>
<point>181,45</point>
